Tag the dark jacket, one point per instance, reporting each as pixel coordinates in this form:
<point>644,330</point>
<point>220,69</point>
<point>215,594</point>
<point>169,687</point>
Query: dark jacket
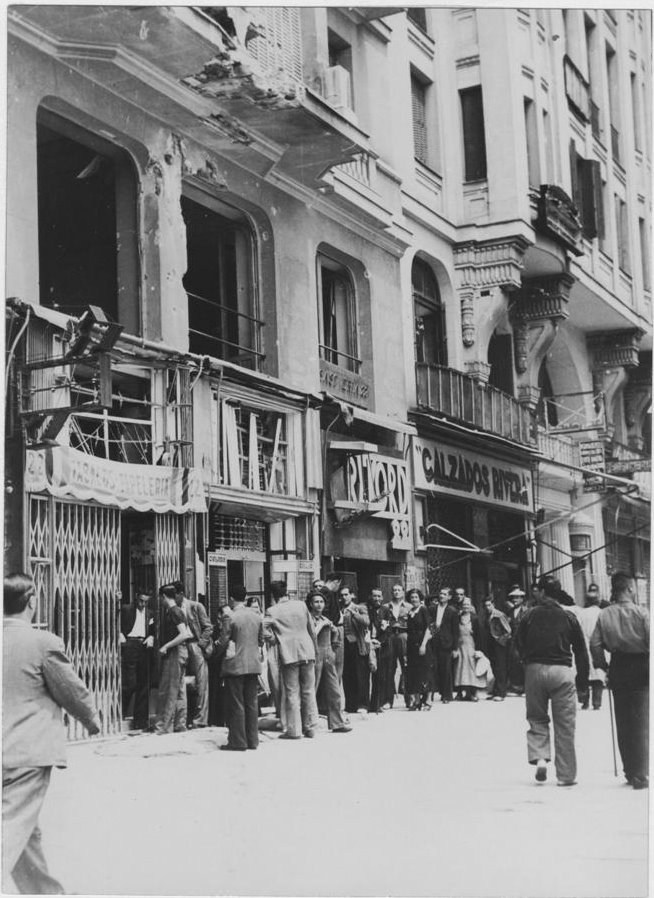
<point>550,634</point>
<point>445,637</point>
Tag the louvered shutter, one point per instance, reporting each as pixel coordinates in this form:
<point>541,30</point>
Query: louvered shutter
<point>589,217</point>
<point>418,93</point>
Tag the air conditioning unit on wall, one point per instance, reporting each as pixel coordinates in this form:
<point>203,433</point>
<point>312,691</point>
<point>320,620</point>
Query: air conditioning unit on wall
<point>337,88</point>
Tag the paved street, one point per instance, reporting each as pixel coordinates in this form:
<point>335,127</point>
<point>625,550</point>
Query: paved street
<point>440,803</point>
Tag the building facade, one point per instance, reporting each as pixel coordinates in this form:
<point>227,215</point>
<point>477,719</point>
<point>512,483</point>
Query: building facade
<point>302,290</point>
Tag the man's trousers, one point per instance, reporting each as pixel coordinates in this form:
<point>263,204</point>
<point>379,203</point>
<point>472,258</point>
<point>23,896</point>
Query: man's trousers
<point>629,683</point>
<point>171,709</point>
<point>300,687</point>
<point>443,667</point>
<point>498,655</point>
<point>135,676</point>
<point>555,683</point>
<point>381,680</point>
<point>356,678</point>
<point>242,711</point>
<point>397,643</point>
<point>23,793</point>
<point>197,667</point>
<point>327,677</point>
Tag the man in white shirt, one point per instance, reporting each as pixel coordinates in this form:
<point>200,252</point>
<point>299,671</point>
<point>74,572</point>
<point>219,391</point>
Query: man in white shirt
<point>136,641</point>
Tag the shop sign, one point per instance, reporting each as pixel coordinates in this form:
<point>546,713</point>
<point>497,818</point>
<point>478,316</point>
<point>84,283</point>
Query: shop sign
<point>381,484</point>
<point>65,472</point>
<point>592,458</point>
<point>344,384</point>
<point>460,472</point>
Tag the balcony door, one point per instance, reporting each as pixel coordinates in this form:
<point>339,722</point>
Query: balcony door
<point>429,316</point>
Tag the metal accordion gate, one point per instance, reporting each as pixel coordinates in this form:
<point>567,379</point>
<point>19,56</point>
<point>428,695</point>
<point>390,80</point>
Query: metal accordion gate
<point>74,554</point>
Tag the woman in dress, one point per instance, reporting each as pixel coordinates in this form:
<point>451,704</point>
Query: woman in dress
<point>466,681</point>
<point>417,660</point>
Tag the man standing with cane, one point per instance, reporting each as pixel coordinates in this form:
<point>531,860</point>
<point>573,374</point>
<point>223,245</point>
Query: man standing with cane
<point>623,630</point>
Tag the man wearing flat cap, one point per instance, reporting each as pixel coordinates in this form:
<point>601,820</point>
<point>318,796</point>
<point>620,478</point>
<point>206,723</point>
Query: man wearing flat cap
<point>515,609</point>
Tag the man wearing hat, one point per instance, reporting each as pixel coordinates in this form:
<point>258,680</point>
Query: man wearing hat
<point>587,617</point>
<point>515,609</point>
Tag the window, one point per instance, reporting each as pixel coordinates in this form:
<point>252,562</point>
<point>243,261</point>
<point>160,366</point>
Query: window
<point>419,114</point>
<point>587,192</point>
<point>604,241</point>
<point>549,176</point>
<point>622,232</point>
<point>547,409</point>
<point>418,15</point>
<point>337,315</point>
<point>614,101</point>
<point>474,140</point>
<point>429,316</point>
<point>338,78</point>
<point>635,108</point>
<point>531,133</point>
<point>644,253</point>
<point>219,285</point>
<point>86,198</point>
<point>500,359</point>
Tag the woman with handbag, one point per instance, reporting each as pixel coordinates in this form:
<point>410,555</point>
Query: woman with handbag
<point>417,660</point>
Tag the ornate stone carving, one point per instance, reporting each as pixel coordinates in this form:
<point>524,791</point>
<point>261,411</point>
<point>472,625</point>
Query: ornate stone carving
<point>558,217</point>
<point>491,263</point>
<point>479,370</point>
<point>468,330</point>
<point>543,297</point>
<point>521,346</point>
<point>615,349</point>
<point>529,396</point>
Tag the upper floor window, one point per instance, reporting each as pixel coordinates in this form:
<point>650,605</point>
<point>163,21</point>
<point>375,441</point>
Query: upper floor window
<point>500,359</point>
<point>474,138</point>
<point>419,116</point>
<point>337,315</point>
<point>219,283</point>
<point>338,77</point>
<point>86,198</point>
<point>429,316</point>
<point>418,15</point>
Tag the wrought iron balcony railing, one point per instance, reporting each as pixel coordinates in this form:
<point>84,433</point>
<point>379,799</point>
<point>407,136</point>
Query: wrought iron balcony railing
<point>470,401</point>
<point>224,333</point>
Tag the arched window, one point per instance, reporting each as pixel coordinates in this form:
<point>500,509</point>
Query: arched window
<point>500,359</point>
<point>429,316</point>
<point>337,315</point>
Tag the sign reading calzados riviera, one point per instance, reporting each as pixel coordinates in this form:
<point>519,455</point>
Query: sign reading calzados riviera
<point>446,469</point>
<point>65,472</point>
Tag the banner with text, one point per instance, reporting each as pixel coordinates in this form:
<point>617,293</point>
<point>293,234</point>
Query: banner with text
<point>462,472</point>
<point>68,473</point>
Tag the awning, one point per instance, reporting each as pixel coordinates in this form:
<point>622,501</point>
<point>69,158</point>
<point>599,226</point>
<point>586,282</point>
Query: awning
<point>68,473</point>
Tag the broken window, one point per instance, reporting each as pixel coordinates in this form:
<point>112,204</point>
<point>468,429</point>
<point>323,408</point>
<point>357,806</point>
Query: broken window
<point>87,223</point>
<point>219,283</point>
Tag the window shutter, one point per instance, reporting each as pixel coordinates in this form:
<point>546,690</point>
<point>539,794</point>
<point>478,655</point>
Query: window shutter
<point>588,214</point>
<point>598,198</point>
<point>280,47</point>
<point>474,139</point>
<point>418,95</point>
<point>574,182</point>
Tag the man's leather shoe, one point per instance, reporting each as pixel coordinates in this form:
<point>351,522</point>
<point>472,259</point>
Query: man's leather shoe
<point>288,736</point>
<point>640,782</point>
<point>228,747</point>
<point>342,730</point>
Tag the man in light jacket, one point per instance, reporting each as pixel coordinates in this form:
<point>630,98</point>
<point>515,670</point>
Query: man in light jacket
<point>289,622</point>
<point>200,648</point>
<point>38,682</point>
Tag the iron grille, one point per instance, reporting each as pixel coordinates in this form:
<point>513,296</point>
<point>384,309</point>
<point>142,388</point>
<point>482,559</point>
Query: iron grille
<point>237,533</point>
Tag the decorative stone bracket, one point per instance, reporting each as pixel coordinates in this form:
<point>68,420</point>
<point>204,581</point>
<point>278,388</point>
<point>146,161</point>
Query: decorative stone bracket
<point>482,266</point>
<point>612,353</point>
<point>637,399</point>
<point>536,310</point>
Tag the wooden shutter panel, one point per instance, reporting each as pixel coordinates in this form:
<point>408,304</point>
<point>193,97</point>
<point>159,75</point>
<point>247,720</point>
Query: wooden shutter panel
<point>574,182</point>
<point>419,120</point>
<point>598,198</point>
<point>474,138</point>
<point>588,216</point>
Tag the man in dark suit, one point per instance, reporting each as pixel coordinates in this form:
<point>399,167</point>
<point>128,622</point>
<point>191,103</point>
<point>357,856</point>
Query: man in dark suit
<point>444,626</point>
<point>136,641</point>
<point>382,688</point>
<point>242,639</point>
<point>38,681</point>
<point>200,648</point>
<point>356,649</point>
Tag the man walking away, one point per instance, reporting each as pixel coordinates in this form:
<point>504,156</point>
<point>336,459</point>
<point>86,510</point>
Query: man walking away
<point>242,639</point>
<point>547,637</point>
<point>136,640</point>
<point>171,707</point>
<point>38,681</point>
<point>200,648</point>
<point>623,630</point>
<point>587,617</point>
